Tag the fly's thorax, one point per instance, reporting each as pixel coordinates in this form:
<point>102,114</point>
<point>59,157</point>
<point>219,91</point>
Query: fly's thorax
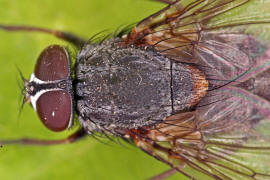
<point>129,87</point>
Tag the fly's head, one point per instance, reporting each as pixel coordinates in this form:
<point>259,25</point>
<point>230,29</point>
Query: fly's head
<point>49,89</point>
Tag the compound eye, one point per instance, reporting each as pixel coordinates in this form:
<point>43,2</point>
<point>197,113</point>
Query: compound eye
<point>55,110</point>
<point>53,64</point>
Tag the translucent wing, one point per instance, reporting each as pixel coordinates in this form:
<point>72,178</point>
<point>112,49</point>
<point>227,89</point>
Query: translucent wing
<point>227,136</point>
<point>203,32</point>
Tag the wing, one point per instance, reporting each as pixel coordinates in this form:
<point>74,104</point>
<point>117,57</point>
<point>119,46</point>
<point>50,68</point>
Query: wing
<point>227,136</point>
<point>203,32</point>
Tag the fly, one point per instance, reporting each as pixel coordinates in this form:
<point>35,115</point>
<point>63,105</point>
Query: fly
<point>187,85</point>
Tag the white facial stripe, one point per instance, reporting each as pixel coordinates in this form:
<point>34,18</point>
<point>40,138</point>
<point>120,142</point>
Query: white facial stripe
<point>33,78</point>
<point>34,98</point>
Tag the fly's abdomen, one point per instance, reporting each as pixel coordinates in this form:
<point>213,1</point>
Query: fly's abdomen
<point>130,87</point>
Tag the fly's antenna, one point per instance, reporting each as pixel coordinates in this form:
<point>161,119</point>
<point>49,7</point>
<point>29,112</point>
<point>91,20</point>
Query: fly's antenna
<point>23,92</point>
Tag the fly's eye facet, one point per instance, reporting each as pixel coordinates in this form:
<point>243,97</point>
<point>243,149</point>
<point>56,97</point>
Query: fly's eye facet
<point>52,64</point>
<point>54,108</point>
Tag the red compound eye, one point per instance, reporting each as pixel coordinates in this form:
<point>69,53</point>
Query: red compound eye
<point>54,108</point>
<point>52,64</point>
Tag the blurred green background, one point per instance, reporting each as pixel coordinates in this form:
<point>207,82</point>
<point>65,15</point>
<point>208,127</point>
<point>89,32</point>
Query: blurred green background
<point>87,159</point>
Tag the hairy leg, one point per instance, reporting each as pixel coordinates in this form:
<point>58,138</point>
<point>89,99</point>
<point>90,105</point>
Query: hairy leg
<point>31,141</point>
<point>69,37</point>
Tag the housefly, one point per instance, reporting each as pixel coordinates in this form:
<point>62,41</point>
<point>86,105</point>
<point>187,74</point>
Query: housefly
<point>188,85</point>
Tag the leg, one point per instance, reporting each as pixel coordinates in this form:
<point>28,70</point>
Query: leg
<point>164,175</point>
<point>60,34</point>
<point>165,1</point>
<point>25,141</point>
